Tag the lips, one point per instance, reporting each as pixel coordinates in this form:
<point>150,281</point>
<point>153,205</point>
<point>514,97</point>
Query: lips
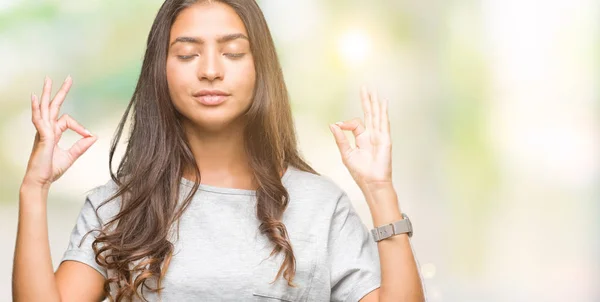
<point>211,100</point>
<point>211,97</point>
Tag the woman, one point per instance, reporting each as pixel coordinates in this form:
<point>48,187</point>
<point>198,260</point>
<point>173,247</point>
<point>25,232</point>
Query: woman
<point>212,200</point>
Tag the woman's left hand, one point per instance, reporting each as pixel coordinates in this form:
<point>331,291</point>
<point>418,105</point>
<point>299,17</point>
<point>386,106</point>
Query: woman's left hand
<point>370,162</point>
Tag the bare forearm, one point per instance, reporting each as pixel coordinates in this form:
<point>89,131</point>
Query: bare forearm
<point>33,274</point>
<point>400,279</point>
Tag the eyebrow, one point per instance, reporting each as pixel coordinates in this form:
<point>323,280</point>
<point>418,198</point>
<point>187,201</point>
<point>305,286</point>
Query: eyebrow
<point>220,40</point>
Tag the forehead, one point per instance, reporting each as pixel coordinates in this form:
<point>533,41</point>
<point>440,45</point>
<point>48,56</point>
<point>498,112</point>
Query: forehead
<point>207,20</point>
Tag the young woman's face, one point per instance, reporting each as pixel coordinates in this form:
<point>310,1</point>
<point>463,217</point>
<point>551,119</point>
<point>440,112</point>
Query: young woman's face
<point>209,54</point>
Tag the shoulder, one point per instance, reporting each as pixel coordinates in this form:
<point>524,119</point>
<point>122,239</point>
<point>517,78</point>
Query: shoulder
<point>313,204</point>
<point>312,195</point>
<point>101,193</point>
<point>99,198</point>
<point>302,184</point>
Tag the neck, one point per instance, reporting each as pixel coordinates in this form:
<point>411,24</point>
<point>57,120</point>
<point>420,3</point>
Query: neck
<point>220,156</point>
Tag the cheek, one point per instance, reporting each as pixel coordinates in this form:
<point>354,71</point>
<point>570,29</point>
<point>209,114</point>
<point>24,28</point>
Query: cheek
<point>175,79</point>
<point>171,78</point>
<point>245,79</point>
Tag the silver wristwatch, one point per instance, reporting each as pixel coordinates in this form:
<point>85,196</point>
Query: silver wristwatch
<point>399,227</point>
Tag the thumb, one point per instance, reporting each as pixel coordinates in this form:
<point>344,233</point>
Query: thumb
<point>341,140</point>
<point>81,146</point>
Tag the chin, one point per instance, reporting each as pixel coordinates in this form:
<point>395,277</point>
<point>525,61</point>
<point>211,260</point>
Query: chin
<point>214,123</point>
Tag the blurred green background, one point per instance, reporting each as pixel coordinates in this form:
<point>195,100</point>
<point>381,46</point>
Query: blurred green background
<point>494,111</point>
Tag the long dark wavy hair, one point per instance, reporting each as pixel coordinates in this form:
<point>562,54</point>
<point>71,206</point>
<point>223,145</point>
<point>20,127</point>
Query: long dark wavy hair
<point>134,245</point>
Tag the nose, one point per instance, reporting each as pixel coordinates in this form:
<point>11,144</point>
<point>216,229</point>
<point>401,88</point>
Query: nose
<point>210,67</point>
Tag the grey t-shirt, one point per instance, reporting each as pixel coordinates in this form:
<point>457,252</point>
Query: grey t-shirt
<point>220,253</point>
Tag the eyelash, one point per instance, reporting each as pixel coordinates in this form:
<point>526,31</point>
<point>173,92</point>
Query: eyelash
<point>232,55</point>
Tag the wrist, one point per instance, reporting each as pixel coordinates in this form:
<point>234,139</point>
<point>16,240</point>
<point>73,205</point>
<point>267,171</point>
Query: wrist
<point>376,186</point>
<point>29,189</point>
<point>383,205</point>
<point>382,216</point>
<point>379,193</point>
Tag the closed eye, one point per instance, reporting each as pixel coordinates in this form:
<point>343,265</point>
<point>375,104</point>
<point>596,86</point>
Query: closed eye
<point>234,55</point>
<point>231,55</point>
<point>186,57</point>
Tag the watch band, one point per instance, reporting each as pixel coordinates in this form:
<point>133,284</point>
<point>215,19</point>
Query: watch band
<point>399,227</point>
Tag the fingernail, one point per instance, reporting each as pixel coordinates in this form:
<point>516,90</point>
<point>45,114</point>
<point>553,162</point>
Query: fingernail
<point>339,123</point>
<point>68,77</point>
<point>32,97</point>
<point>88,132</point>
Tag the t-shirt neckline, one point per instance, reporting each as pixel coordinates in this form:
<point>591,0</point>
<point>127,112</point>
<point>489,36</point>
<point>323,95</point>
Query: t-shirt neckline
<point>232,191</point>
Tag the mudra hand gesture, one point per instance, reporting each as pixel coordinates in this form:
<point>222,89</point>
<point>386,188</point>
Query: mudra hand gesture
<point>370,161</point>
<point>48,161</point>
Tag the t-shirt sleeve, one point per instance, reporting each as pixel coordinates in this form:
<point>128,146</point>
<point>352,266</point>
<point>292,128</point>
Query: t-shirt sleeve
<point>354,257</point>
<point>82,251</point>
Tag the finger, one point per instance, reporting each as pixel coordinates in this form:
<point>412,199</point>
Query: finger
<point>366,106</point>
<point>341,140</point>
<point>81,146</point>
<point>376,107</point>
<point>45,100</point>
<point>42,132</point>
<point>355,125</point>
<point>67,122</point>
<point>385,118</point>
<point>36,115</point>
<point>60,97</point>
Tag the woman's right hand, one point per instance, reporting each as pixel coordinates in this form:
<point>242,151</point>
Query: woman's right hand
<point>48,161</point>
